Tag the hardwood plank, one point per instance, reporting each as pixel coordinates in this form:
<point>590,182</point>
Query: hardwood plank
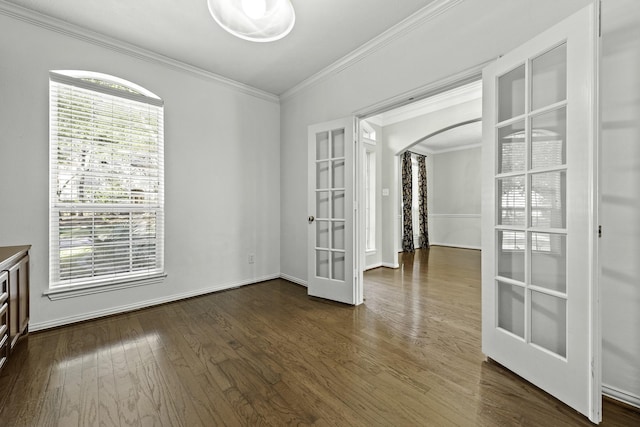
<point>259,349</point>
<point>126,393</point>
<point>108,401</point>
<point>191,380</point>
<point>50,410</point>
<point>269,355</point>
<point>338,378</point>
<point>71,398</point>
<point>185,411</point>
<point>31,381</point>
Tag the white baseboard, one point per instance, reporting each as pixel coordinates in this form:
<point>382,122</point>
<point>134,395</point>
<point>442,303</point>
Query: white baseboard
<point>38,326</point>
<point>454,245</point>
<point>390,265</point>
<point>372,266</point>
<point>476,216</point>
<point>294,280</point>
<point>620,395</point>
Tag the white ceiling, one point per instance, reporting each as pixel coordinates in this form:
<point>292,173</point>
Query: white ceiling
<point>325,31</point>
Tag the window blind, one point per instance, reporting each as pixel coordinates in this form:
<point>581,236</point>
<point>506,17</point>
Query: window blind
<point>107,179</point>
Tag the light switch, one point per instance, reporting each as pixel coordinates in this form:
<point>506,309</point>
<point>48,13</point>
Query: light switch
<point>385,191</point>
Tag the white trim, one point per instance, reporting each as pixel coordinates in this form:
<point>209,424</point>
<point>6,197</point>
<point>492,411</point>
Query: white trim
<point>418,150</point>
<point>390,265</point>
<point>418,144</point>
<point>458,148</point>
<point>38,326</point>
<point>597,386</point>
<point>621,396</point>
<point>370,143</point>
<point>294,280</point>
<point>372,266</point>
<point>465,93</point>
<point>376,120</point>
<point>434,215</point>
<point>63,292</point>
<point>450,245</point>
<point>140,94</point>
<point>56,25</point>
<point>409,24</point>
<point>431,89</point>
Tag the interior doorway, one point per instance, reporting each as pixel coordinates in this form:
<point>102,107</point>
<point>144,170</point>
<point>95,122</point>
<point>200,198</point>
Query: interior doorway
<point>444,126</point>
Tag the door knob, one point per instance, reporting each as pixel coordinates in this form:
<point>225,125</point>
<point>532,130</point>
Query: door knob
<point>311,219</point>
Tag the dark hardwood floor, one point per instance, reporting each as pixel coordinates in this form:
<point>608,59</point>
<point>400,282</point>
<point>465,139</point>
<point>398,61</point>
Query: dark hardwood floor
<point>267,354</point>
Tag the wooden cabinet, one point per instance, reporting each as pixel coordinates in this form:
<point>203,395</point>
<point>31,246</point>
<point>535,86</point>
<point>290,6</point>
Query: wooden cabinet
<point>18,299</point>
<point>4,317</point>
<point>14,298</point>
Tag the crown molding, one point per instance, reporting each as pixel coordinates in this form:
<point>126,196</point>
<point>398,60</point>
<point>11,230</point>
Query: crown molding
<point>427,13</point>
<point>425,151</point>
<point>56,25</point>
<point>457,148</point>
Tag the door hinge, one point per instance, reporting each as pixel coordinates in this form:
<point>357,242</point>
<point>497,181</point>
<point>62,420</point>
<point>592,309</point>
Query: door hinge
<point>600,19</point>
<point>599,231</point>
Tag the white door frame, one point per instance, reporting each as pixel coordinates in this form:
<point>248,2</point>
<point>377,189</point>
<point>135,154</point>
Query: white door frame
<point>459,79</point>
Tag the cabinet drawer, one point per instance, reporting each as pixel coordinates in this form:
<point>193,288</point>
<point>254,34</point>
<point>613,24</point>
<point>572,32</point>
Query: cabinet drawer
<point>4,283</point>
<point>4,334</point>
<point>4,319</point>
<point>4,350</point>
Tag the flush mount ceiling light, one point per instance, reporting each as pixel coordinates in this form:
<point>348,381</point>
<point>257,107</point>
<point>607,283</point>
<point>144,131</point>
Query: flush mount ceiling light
<point>254,20</point>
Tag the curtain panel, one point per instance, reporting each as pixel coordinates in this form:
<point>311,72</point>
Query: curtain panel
<point>423,211</point>
<point>407,192</point>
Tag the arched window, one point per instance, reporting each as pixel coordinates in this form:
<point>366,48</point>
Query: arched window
<point>106,181</point>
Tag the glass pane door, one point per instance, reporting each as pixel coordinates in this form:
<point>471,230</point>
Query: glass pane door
<point>539,243</point>
<point>531,220</point>
<point>330,205</point>
<point>330,256</point>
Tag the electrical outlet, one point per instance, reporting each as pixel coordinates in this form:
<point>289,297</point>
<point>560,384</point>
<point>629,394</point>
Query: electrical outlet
<point>252,258</point>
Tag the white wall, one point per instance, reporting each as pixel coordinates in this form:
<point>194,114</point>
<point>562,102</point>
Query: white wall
<point>454,217</point>
<point>471,33</point>
<point>222,181</point>
<point>620,203</point>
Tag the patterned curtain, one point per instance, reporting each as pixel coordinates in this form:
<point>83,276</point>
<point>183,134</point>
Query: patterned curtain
<point>423,211</point>
<point>407,226</point>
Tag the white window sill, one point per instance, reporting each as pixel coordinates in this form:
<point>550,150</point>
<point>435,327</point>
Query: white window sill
<point>78,290</point>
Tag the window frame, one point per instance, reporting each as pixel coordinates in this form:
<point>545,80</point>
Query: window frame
<point>370,191</point>
<point>121,91</point>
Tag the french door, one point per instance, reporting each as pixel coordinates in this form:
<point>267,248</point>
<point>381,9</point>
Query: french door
<point>332,268</point>
<point>539,296</point>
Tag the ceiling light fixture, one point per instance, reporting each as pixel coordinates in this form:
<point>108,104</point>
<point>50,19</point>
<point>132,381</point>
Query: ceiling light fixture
<point>254,20</point>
